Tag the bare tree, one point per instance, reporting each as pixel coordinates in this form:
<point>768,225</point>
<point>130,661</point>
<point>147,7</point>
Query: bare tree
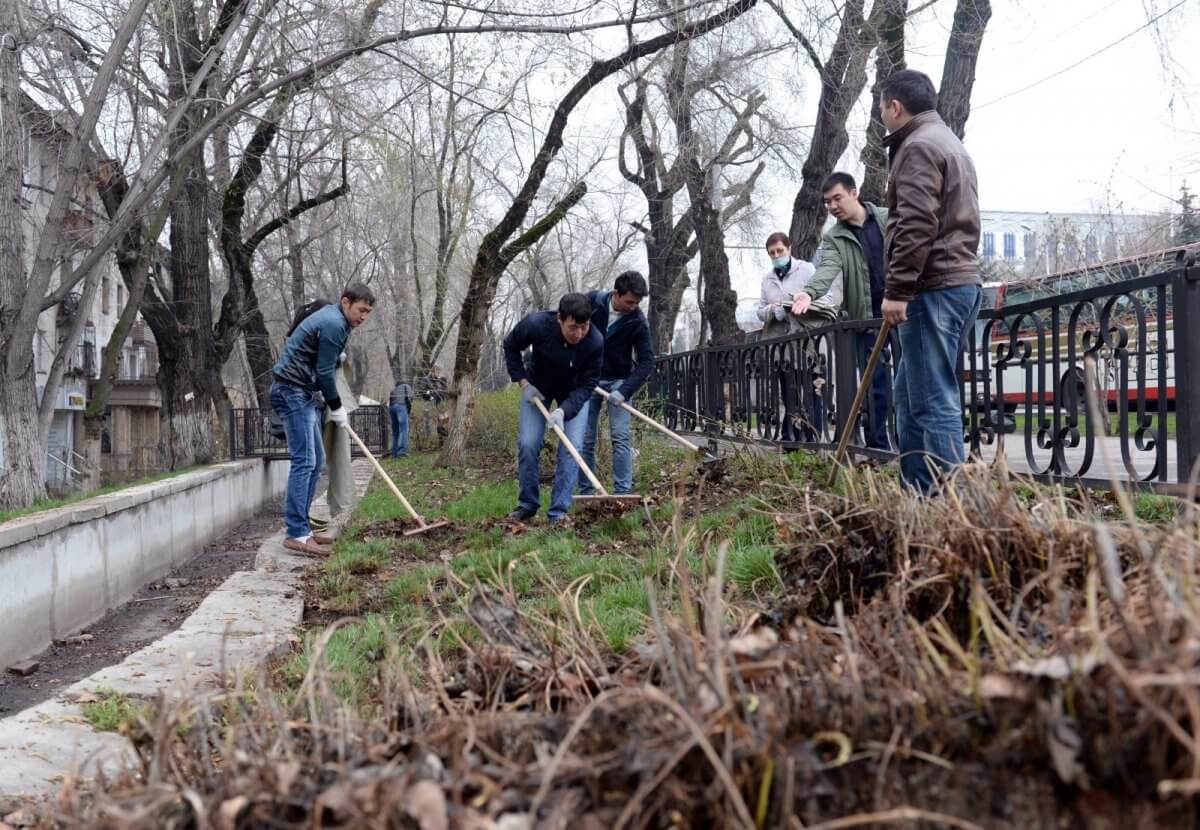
<point>23,424</point>
<point>499,247</point>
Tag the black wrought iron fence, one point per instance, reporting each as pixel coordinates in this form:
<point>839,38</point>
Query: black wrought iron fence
<point>1024,386</point>
<point>250,432</point>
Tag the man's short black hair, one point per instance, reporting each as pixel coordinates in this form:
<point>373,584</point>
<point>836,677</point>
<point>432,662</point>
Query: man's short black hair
<point>631,281</point>
<point>356,291</point>
<point>836,178</point>
<point>911,88</point>
<point>576,306</point>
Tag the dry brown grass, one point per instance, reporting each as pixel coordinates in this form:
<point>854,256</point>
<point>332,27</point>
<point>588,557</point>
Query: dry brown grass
<point>975,660</point>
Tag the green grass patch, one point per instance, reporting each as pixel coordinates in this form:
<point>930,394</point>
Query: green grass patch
<point>486,501</point>
<point>1114,423</point>
<point>1155,509</point>
<point>359,557</point>
<point>113,711</point>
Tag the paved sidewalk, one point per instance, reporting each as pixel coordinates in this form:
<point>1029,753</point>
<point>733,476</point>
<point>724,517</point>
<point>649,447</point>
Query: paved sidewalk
<point>237,628</point>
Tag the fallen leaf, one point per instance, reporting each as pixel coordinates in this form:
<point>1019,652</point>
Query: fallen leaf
<point>426,804</point>
<point>754,644</point>
<point>999,686</point>
<point>228,812</point>
<point>285,776</point>
<point>1065,744</point>
<point>87,697</point>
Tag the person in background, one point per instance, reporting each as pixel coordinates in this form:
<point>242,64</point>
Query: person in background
<point>933,290</point>
<point>400,407</point>
<point>787,305</point>
<point>851,255</point>
<point>566,355</point>
<point>617,316</point>
<point>306,367</point>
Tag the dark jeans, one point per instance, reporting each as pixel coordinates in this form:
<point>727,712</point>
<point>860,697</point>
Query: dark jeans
<point>298,409</point>
<point>875,412</point>
<point>929,422</point>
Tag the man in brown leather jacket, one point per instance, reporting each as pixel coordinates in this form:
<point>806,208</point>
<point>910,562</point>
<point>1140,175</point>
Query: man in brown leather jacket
<point>932,291</point>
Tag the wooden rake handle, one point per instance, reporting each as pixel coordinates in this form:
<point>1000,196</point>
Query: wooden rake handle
<point>566,442</point>
<point>867,376</point>
<point>660,427</point>
<point>387,479</point>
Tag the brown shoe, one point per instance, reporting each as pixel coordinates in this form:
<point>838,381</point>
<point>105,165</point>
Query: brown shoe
<point>309,548</point>
<point>322,539</point>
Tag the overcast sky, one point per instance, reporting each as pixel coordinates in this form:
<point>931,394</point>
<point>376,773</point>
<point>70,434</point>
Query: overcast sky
<point>1120,129</point>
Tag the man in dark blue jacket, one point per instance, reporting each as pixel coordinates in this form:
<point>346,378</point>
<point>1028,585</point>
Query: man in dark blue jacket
<point>564,366</point>
<point>616,314</point>
<point>307,366</point>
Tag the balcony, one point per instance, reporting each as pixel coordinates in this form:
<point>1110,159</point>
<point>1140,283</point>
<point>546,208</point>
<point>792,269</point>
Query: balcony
<point>82,360</point>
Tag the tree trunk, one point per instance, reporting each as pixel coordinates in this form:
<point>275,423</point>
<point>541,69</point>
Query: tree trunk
<point>259,354</point>
<point>666,301</point>
<point>842,80</point>
<point>189,368</point>
<point>21,455</point>
<point>719,303</point>
<point>888,59</point>
<point>962,53</point>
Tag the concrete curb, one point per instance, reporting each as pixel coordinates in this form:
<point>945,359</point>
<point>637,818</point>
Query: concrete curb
<point>238,627</point>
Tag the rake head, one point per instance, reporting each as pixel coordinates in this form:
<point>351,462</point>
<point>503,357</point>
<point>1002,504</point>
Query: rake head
<point>426,528</point>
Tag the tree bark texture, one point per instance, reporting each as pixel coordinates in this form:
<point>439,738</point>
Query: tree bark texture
<point>889,58</point>
<point>670,243</point>
<point>843,77</point>
<point>189,371</point>
<point>496,252</point>
<point>23,460</point>
<point>962,53</point>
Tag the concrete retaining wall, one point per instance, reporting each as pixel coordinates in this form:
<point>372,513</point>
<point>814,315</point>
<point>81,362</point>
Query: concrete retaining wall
<point>65,568</point>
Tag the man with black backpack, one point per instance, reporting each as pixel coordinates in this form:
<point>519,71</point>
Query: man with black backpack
<point>307,365</point>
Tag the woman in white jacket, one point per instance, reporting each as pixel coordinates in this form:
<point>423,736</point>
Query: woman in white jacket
<point>785,307</point>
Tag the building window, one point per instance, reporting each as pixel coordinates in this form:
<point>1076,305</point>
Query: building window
<point>1010,246</point>
<point>1030,247</point>
<point>120,297</point>
<point>989,245</point>
<point>104,290</point>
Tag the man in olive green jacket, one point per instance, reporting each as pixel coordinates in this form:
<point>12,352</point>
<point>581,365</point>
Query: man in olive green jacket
<point>852,256</point>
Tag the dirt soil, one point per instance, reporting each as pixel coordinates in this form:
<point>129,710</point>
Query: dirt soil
<point>158,609</point>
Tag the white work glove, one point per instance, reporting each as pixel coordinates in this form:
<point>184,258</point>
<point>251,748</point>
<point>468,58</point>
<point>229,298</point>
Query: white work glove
<point>780,311</point>
<point>801,303</point>
<point>556,418</point>
<point>339,416</point>
<point>341,358</point>
<point>616,397</point>
<point>530,392</point>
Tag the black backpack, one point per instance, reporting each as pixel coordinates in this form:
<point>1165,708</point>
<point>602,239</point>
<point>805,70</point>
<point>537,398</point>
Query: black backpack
<point>306,310</point>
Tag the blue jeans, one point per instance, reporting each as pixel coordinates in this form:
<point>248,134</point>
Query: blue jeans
<point>929,420</point>
<point>298,409</point>
<point>875,423</point>
<point>531,433</point>
<point>399,429</point>
<point>622,441</point>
